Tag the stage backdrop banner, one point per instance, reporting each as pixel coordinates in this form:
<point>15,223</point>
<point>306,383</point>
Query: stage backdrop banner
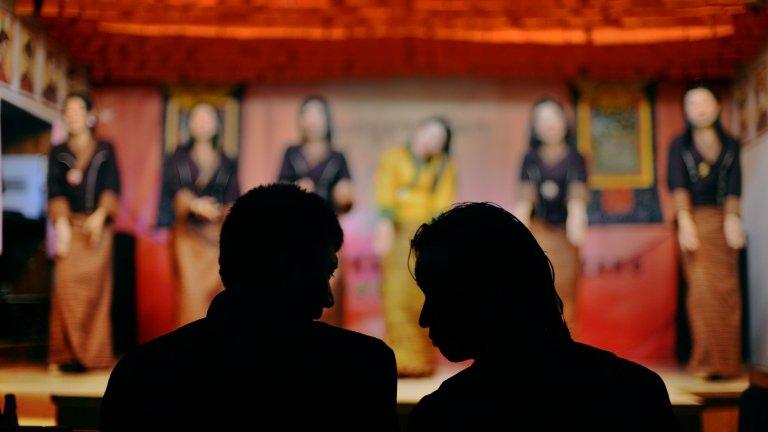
<point>490,125</point>
<point>490,121</point>
<point>627,295</point>
<point>615,135</point>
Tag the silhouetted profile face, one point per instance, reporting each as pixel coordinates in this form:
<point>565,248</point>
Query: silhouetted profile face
<point>429,139</point>
<point>701,107</point>
<point>203,122</point>
<point>487,284</point>
<point>278,247</point>
<point>451,319</point>
<point>313,120</point>
<point>75,114</point>
<point>549,123</point>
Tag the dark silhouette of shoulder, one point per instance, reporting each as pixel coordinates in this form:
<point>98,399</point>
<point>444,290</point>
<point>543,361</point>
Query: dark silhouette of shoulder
<point>205,374</point>
<point>580,388</point>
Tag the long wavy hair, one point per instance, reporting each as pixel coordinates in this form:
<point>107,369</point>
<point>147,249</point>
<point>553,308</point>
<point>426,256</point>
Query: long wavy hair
<point>480,250</point>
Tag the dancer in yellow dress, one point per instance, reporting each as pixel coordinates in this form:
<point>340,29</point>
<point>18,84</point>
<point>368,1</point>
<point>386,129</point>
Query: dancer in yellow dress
<point>414,183</point>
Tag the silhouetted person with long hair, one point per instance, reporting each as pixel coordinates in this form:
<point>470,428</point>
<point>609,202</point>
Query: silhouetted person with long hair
<point>490,296</point>
<point>259,360</point>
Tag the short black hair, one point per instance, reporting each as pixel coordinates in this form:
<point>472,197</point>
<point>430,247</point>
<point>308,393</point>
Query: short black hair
<point>272,234</point>
<point>486,252</point>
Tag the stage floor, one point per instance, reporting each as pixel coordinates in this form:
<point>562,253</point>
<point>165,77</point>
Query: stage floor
<point>34,385</point>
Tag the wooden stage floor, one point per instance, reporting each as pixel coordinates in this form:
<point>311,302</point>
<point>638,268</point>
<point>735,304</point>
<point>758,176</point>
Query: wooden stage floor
<point>34,385</point>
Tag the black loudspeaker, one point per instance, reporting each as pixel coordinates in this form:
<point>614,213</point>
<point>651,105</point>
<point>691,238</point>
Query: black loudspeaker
<point>124,327</point>
<point>744,279</point>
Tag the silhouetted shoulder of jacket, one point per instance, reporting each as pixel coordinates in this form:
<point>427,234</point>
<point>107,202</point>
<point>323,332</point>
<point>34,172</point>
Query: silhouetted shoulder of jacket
<point>211,373</point>
<point>578,388</point>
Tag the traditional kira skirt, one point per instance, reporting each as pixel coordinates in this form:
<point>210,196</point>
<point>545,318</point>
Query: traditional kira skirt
<point>402,302</point>
<point>196,247</point>
<point>713,300</point>
<point>566,262</point>
<point>80,323</point>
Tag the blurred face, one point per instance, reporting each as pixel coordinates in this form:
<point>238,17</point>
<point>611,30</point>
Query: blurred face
<point>701,107</point>
<point>203,122</point>
<point>549,123</point>
<point>428,140</point>
<point>75,116</point>
<point>313,122</point>
<point>450,317</point>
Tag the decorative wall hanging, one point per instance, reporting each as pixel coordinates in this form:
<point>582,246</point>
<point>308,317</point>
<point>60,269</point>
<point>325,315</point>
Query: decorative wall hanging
<point>615,135</point>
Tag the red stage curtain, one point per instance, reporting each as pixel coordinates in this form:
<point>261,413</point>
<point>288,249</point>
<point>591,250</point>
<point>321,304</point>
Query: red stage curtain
<point>131,118</point>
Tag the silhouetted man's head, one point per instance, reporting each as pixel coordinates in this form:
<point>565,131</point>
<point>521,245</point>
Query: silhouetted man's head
<point>279,245</point>
<point>487,282</point>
